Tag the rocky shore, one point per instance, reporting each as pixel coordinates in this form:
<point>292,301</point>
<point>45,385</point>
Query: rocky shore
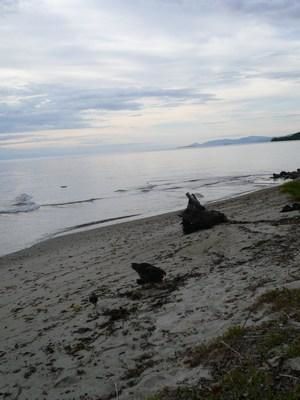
<point>138,340</point>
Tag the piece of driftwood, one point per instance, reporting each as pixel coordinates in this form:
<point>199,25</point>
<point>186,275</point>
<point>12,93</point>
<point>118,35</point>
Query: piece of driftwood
<point>196,217</point>
<point>194,203</point>
<point>148,273</point>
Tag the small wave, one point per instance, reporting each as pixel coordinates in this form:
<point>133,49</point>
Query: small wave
<point>213,183</point>
<point>172,188</point>
<point>22,204</point>
<point>234,180</point>
<point>121,191</point>
<point>147,188</point>
<point>72,202</point>
<point>194,180</point>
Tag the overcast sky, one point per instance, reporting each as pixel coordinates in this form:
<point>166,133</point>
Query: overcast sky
<point>86,73</point>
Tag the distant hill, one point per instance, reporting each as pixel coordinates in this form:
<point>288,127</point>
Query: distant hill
<point>228,142</point>
<point>293,136</point>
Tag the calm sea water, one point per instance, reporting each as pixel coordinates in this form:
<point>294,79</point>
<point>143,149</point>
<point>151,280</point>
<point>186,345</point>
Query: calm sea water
<point>44,197</point>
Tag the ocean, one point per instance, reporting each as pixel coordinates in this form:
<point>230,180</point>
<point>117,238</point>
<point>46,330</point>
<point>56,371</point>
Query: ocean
<point>42,198</point>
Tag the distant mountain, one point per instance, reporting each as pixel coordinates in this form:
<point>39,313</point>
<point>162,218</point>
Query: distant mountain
<point>228,142</point>
<point>293,136</point>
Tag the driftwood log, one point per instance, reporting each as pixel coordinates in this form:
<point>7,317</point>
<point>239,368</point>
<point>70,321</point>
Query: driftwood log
<point>148,273</point>
<point>196,217</point>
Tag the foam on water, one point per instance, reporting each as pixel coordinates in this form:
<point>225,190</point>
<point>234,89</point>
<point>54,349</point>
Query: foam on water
<point>68,203</point>
<point>23,203</point>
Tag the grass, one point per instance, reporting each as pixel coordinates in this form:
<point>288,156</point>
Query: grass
<point>249,362</point>
<point>293,349</point>
<point>271,340</point>
<point>292,188</point>
<point>286,301</point>
<point>250,346</point>
<point>216,346</point>
<point>250,384</point>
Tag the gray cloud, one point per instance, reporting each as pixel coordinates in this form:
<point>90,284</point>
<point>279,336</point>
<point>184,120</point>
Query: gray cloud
<point>8,6</point>
<point>283,75</point>
<point>274,8</point>
<point>62,66</point>
<point>53,107</point>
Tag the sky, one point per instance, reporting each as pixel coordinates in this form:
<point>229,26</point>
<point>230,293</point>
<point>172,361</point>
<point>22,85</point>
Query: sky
<point>85,75</point>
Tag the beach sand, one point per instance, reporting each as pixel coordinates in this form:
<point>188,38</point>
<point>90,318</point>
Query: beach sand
<point>55,345</point>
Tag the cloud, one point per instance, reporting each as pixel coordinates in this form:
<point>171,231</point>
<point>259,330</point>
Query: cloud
<point>276,9</point>
<point>137,67</point>
<point>7,6</point>
<point>48,107</point>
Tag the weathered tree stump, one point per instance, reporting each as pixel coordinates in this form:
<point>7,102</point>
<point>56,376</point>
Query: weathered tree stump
<point>196,217</point>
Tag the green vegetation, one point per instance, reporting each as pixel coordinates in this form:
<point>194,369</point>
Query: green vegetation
<point>249,362</point>
<point>293,349</point>
<point>233,333</point>
<point>271,340</point>
<point>238,384</point>
<point>294,136</point>
<point>292,188</point>
<point>282,300</point>
<point>203,351</point>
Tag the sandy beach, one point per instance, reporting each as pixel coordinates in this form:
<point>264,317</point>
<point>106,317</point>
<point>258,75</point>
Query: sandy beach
<point>55,345</point>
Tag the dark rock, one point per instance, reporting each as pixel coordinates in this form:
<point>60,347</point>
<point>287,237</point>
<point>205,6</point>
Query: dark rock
<point>287,174</point>
<point>196,217</point>
<point>116,313</point>
<point>148,273</point>
<point>93,298</point>
<point>286,208</point>
<point>293,207</point>
<point>49,349</point>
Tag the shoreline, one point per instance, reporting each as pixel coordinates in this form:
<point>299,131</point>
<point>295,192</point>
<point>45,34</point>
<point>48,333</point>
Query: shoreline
<point>87,227</point>
<point>54,344</point>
